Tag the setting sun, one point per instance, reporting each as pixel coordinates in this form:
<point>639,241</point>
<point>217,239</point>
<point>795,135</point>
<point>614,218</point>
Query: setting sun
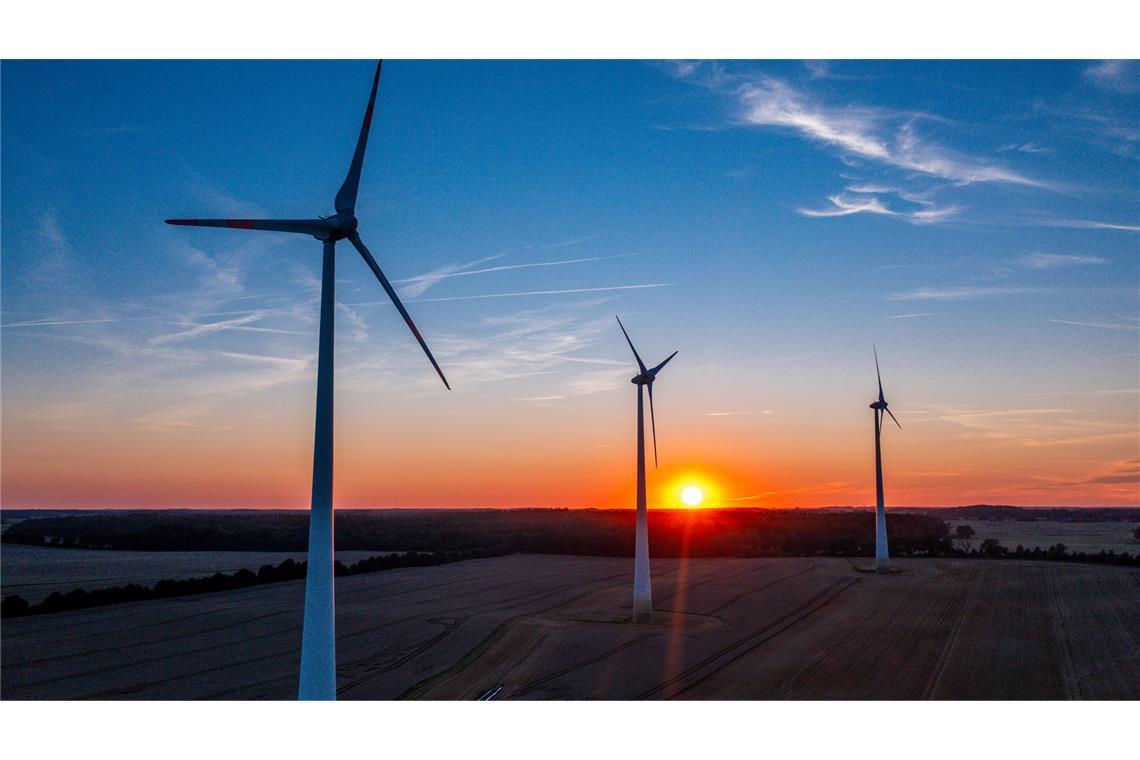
<point>692,496</point>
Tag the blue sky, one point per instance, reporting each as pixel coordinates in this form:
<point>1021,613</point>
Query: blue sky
<point>978,220</point>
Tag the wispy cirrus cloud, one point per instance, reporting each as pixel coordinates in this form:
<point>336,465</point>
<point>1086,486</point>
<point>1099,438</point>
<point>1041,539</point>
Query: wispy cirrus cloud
<point>549,352</point>
<point>865,132</point>
<point>1025,147</point>
<point>1055,260</point>
<point>959,293</point>
<point>891,143</point>
<point>1124,471</point>
<point>735,414</point>
<point>1115,76</point>
<point>1100,392</point>
<point>1048,426</point>
<point>864,202</point>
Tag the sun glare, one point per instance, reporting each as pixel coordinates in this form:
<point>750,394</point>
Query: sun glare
<point>692,496</point>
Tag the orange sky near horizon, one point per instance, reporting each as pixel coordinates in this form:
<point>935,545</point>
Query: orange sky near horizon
<point>987,249</point>
<point>423,451</point>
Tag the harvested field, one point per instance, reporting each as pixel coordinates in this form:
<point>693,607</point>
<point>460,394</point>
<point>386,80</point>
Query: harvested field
<point>554,627</point>
<point>33,572</point>
<point>1090,537</point>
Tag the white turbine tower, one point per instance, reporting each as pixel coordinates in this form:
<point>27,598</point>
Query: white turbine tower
<point>881,556</point>
<point>642,590</point>
<point>318,639</point>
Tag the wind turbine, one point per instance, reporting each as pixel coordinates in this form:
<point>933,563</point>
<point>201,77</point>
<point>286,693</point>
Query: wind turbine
<point>880,407</point>
<point>318,640</point>
<point>642,591</point>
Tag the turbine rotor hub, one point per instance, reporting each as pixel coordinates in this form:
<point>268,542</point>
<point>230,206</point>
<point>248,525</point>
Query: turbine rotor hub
<point>645,379</point>
<point>344,224</point>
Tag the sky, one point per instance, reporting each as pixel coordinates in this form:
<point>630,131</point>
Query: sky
<point>771,221</point>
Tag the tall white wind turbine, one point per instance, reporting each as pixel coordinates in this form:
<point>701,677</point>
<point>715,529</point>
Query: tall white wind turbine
<point>642,590</point>
<point>881,556</point>
<point>318,639</point>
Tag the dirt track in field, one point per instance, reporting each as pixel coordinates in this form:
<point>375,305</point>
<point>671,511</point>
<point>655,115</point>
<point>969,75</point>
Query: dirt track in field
<point>551,627</point>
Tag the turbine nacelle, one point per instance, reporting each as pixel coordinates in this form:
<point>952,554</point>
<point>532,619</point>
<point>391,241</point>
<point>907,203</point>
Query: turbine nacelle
<point>340,226</point>
<point>646,378</point>
<point>881,404</point>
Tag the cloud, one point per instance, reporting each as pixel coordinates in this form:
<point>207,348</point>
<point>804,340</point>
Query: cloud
<point>846,204</point>
<point>556,345</point>
<point>819,68</point>
<point>1121,471</point>
<point>178,417</point>
<point>1114,76</point>
<point>198,331</point>
<point>1049,426</point>
<point>1086,224</point>
<point>1026,147</point>
<point>1101,325</point>
<point>1054,260</point>
<point>1103,392</point>
<point>735,414</point>
<point>842,206</point>
<point>864,132</point>
<point>421,283</point>
<point>916,316</point>
<point>563,291</point>
<point>958,293</point>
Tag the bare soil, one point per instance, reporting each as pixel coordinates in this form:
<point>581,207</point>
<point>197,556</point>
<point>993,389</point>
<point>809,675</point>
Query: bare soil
<point>555,627</point>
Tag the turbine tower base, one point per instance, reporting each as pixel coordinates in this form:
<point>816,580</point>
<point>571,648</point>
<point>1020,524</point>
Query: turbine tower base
<point>642,611</point>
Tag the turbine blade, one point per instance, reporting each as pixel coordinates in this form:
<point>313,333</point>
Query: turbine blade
<point>346,196</point>
<point>888,411</point>
<point>314,227</point>
<point>877,375</point>
<point>371,262</point>
<point>657,369</point>
<point>640,363</point>
<point>653,423</point>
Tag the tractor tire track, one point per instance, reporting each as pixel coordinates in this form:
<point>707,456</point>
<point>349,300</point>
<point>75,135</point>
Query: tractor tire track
<point>752,640</point>
<point>578,666</point>
<point>963,612</point>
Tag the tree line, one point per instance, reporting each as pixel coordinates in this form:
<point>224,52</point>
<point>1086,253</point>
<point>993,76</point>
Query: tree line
<point>440,536</point>
<point>701,533</point>
<point>15,605</point>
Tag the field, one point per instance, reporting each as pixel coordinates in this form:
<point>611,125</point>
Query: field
<point>554,627</point>
<point>33,572</point>
<point>1090,537</point>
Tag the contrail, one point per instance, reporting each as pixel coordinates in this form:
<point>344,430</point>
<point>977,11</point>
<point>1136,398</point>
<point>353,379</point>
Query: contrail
<point>535,293</point>
<point>506,267</point>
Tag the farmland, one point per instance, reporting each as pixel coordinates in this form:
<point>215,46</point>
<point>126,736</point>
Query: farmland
<point>33,572</point>
<point>554,627</point>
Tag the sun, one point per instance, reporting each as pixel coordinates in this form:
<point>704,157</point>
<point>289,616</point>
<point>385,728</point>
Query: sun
<point>692,496</point>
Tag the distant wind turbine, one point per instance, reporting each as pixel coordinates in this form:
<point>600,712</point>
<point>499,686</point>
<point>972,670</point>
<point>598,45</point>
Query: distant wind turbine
<point>880,407</point>
<point>642,590</point>
<point>318,640</point>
